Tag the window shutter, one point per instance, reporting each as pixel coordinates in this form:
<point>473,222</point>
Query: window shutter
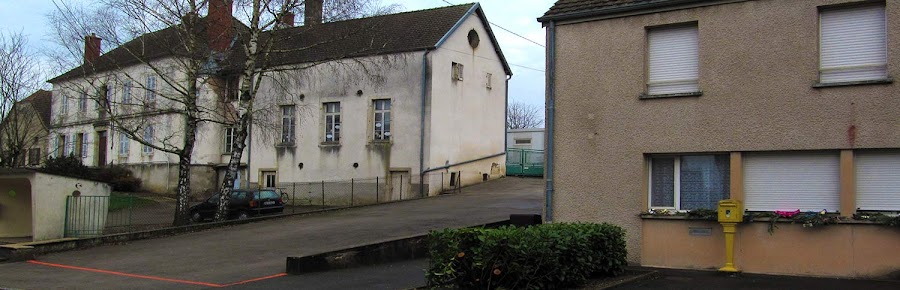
<point>878,181</point>
<point>673,60</point>
<point>809,182</point>
<point>853,44</point>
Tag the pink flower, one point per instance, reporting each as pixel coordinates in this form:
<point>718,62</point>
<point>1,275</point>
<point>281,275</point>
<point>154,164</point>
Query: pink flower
<point>787,214</point>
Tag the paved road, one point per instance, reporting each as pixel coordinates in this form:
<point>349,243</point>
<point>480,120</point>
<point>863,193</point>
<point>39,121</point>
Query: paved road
<point>224,256</point>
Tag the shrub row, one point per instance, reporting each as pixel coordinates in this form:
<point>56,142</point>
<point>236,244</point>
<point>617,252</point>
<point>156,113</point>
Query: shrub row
<point>537,257</point>
<point>119,177</point>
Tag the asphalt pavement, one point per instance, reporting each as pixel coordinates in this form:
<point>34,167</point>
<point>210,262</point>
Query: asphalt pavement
<point>247,254</point>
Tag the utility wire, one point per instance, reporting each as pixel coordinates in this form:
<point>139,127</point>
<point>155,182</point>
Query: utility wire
<point>507,30</point>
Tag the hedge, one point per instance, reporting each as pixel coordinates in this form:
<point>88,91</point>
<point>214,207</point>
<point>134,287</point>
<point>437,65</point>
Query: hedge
<point>537,257</point>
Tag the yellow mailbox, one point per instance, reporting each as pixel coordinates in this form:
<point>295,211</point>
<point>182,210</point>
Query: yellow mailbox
<point>731,211</point>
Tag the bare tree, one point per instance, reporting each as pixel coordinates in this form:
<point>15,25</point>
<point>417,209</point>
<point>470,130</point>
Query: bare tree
<point>520,115</point>
<point>259,49</point>
<point>20,76</point>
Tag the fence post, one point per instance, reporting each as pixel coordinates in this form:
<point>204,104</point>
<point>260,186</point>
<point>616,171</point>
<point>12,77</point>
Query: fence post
<point>66,219</point>
<point>401,186</point>
<point>130,211</point>
<point>293,197</point>
<point>351,192</point>
<point>376,189</point>
<point>323,193</point>
<point>442,183</point>
<point>458,181</point>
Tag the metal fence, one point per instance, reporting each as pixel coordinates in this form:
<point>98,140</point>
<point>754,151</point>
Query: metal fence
<point>90,216</point>
<point>524,162</point>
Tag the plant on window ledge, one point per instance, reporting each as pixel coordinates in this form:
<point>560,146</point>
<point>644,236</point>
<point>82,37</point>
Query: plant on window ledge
<point>816,219</point>
<point>880,218</point>
<point>700,213</point>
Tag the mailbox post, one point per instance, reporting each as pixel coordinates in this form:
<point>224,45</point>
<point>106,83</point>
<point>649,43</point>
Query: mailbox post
<point>731,212</point>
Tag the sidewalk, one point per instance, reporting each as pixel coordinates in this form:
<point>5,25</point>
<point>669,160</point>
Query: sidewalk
<point>672,279</point>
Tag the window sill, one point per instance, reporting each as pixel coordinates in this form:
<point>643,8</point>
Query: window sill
<point>286,145</point>
<point>856,83</point>
<point>330,145</point>
<point>645,96</point>
<point>380,142</point>
<point>754,220</point>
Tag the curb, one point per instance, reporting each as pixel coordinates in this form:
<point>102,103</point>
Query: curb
<point>406,248</point>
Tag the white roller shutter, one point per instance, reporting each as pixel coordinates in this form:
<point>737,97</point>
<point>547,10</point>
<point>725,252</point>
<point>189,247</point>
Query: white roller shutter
<point>673,60</point>
<point>878,181</point>
<point>805,181</point>
<point>853,44</point>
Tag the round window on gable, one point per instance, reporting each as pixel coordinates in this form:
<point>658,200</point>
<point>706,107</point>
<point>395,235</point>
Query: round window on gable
<point>473,38</point>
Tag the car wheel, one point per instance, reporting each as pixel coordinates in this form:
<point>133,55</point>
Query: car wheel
<point>195,217</point>
<point>243,215</point>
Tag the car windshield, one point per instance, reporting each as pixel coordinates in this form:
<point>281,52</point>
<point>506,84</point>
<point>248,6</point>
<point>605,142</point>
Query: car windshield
<point>213,199</point>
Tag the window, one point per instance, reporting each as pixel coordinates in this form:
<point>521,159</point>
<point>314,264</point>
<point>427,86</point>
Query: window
<point>382,126</point>
<point>126,92</point>
<point>81,142</point>
<point>523,141</point>
<point>269,179</point>
<point>805,181</point>
<point>70,145</point>
<point>60,146</point>
<point>690,181</point>
<point>853,44</point>
<point>673,60</point>
<point>878,181</point>
<point>148,137</point>
<point>123,144</point>
<point>82,102</point>
<point>64,105</point>
<point>151,89</point>
<point>229,139</point>
<point>488,79</point>
<point>288,124</point>
<point>457,72</point>
<point>34,156</point>
<point>332,122</point>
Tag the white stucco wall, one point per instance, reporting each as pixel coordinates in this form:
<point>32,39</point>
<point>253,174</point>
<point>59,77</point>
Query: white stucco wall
<point>396,77</point>
<point>467,118</point>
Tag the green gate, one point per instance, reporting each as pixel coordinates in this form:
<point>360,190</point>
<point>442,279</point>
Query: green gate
<point>524,162</point>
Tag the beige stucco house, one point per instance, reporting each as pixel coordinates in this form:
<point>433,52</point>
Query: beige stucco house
<point>676,104</point>
<point>410,94</point>
<point>24,131</point>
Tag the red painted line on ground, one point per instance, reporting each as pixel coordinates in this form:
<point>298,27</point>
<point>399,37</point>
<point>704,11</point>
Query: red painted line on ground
<point>36,262</point>
<point>256,279</point>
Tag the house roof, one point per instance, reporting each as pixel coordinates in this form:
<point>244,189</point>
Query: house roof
<point>384,34</point>
<point>41,101</point>
<point>570,9</point>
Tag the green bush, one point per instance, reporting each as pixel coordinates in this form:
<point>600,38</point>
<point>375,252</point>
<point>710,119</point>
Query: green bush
<point>120,178</point>
<point>67,166</point>
<point>537,257</point>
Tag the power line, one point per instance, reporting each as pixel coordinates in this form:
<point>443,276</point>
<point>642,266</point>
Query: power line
<point>507,30</point>
<point>487,58</point>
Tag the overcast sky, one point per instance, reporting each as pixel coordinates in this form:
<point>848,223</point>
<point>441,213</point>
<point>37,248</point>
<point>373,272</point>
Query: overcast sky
<point>525,57</point>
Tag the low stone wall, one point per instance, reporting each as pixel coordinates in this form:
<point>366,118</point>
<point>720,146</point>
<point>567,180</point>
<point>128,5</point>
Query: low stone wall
<point>162,178</point>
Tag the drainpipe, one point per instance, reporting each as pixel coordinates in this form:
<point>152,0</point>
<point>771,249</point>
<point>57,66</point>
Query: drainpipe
<point>551,100</point>
<point>506,117</point>
<point>422,123</point>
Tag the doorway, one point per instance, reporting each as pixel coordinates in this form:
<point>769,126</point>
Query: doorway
<point>101,148</point>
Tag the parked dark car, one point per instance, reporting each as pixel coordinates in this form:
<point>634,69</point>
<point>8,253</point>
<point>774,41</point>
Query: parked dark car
<point>243,204</point>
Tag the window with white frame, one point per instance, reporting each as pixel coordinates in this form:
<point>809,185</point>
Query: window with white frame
<point>382,125</point>
<point>64,105</point>
<point>34,156</point>
<point>229,139</point>
<point>332,122</point>
<point>853,44</point>
<point>70,145</point>
<point>673,60</point>
<point>151,88</point>
<point>689,182</point>
<point>126,92</point>
<point>288,124</point>
<point>148,138</point>
<point>124,143</point>
<point>61,146</point>
<point>82,145</point>
<point>808,181</point>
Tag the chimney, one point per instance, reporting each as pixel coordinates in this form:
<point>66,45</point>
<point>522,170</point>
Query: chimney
<point>312,13</point>
<point>91,48</point>
<point>219,25</point>
<point>287,20</point>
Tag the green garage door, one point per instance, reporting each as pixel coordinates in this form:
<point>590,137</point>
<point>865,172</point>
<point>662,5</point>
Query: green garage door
<point>524,162</point>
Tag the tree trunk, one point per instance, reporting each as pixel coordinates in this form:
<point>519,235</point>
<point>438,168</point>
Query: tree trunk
<point>183,191</point>
<point>236,153</point>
